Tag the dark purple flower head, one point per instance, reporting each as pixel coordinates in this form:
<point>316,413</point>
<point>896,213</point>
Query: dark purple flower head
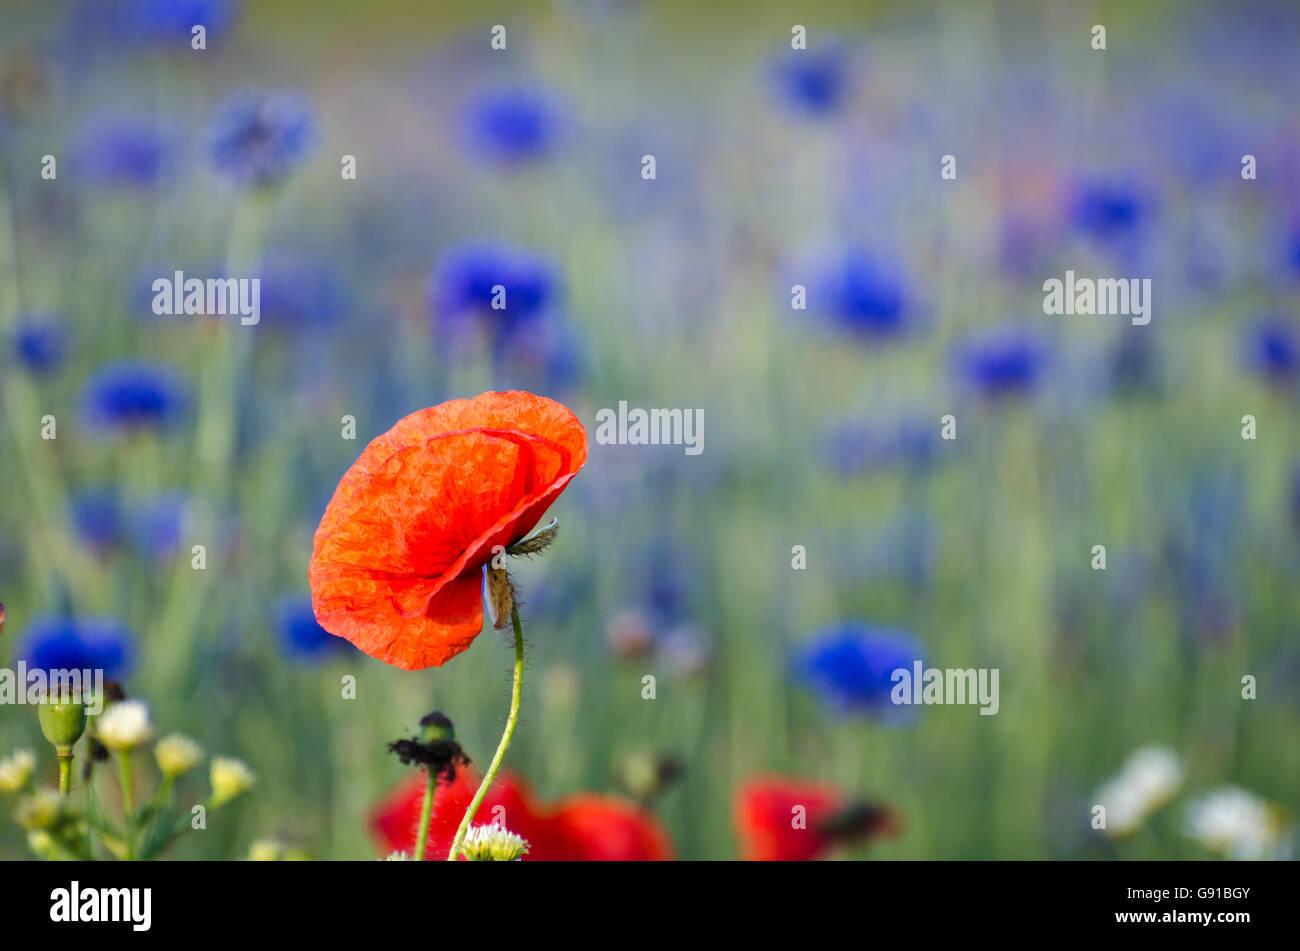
<point>120,151</point>
<point>136,395</point>
<point>62,643</point>
<point>259,138</point>
<point>812,81</point>
<point>40,344</point>
<point>513,125</point>
<point>851,666</point>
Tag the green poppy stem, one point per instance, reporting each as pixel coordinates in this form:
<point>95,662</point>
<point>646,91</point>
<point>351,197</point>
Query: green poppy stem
<point>511,721</point>
<point>65,772</point>
<point>426,813</point>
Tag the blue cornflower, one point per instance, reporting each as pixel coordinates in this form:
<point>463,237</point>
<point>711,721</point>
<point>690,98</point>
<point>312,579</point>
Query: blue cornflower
<point>156,526</point>
<point>1107,210</point>
<point>300,293</point>
<point>127,396</point>
<point>40,344</point>
<point>1003,362</point>
<point>812,81</point>
<point>513,125</point>
<point>464,278</point>
<point>62,643</point>
<point>259,138</point>
<point>1272,349</point>
<point>120,151</point>
<point>863,295</point>
<point>851,665</point>
<point>97,518</point>
<point>163,20</point>
<point>856,447</point>
<point>301,636</point>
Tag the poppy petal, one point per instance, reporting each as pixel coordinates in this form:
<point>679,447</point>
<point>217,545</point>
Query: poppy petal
<point>426,505</point>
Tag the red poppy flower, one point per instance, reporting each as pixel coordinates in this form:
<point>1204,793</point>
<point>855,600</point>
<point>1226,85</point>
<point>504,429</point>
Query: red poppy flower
<point>783,820</point>
<point>398,557</point>
<point>581,828</point>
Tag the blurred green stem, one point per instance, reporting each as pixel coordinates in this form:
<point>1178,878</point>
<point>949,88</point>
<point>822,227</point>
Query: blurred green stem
<point>511,721</point>
<point>128,801</point>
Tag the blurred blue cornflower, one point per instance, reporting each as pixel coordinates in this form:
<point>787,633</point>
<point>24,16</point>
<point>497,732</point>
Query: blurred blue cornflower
<point>1272,349</point>
<point>857,447</point>
<point>850,666</point>
<point>162,22</point>
<point>301,636</point>
<point>97,518</point>
<point>157,525</point>
<point>1295,497</point>
<point>1006,361</point>
<point>513,125</point>
<point>40,343</point>
<point>259,138</point>
<point>529,342</point>
<point>134,395</point>
<point>300,293</point>
<point>175,19</point>
<point>862,294</point>
<point>812,81</point>
<point>464,278</point>
<point>63,643</point>
<point>1107,210</point>
<point>121,151</point>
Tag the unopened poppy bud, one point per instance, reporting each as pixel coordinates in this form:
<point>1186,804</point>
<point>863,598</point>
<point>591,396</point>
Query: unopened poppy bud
<point>398,857</point>
<point>124,726</point>
<point>500,596</point>
<point>177,754</point>
<point>436,726</point>
<point>63,720</point>
<point>230,778</point>
<point>16,771</point>
<point>493,843</point>
<point>645,775</point>
<point>859,820</point>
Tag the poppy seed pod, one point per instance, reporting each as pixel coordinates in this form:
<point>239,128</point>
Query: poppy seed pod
<point>62,720</point>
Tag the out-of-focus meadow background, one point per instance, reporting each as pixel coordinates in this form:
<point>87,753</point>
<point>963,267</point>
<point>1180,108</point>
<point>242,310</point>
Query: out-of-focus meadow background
<point>821,426</point>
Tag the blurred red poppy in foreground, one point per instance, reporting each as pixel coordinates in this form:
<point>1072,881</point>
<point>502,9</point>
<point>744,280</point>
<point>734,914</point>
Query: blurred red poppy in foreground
<point>784,820</point>
<point>581,828</point>
<point>398,557</point>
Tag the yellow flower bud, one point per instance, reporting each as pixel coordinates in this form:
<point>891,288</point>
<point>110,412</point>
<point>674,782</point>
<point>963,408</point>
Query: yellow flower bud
<point>230,778</point>
<point>177,754</point>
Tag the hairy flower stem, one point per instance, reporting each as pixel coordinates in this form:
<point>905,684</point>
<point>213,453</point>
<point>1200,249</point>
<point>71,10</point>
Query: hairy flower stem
<point>511,720</point>
<point>426,813</point>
